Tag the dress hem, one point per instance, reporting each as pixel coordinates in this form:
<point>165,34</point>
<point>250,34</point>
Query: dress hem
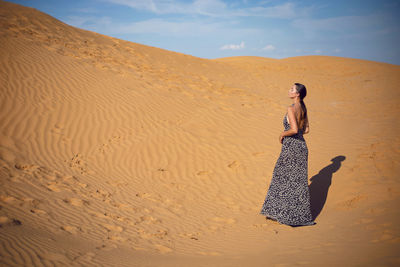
<point>293,225</point>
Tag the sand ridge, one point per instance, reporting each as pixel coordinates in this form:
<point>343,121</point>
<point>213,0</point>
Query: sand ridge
<point>113,152</point>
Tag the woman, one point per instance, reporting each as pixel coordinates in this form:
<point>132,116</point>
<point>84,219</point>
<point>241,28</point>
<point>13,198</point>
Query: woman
<point>288,197</point>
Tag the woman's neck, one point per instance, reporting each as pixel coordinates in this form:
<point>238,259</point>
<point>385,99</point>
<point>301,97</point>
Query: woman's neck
<point>296,101</point>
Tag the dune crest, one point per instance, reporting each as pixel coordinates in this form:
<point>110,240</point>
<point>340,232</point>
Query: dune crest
<point>113,152</point>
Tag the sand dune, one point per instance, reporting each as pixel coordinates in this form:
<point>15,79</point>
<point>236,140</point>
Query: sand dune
<point>115,153</point>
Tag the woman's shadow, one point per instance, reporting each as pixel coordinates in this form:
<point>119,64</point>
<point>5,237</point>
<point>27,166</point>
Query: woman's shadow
<point>320,185</point>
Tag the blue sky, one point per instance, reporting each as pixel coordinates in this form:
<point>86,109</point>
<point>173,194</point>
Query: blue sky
<point>361,29</point>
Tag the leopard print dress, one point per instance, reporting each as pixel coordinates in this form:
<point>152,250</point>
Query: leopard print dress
<point>288,197</point>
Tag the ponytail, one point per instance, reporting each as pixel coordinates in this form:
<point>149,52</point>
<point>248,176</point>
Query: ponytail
<point>302,117</point>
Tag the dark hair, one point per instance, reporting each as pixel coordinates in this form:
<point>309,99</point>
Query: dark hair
<point>302,118</point>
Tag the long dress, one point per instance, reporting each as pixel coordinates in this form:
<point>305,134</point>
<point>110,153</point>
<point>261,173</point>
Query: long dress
<point>288,196</point>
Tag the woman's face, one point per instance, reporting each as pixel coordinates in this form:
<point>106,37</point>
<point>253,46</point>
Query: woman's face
<point>292,92</point>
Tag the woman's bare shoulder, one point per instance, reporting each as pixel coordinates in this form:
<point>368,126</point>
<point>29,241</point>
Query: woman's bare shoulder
<point>291,107</point>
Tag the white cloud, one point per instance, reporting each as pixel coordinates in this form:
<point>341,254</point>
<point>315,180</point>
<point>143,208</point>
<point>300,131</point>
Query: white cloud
<point>163,27</point>
<point>337,50</point>
<point>215,8</point>
<point>268,47</point>
<point>279,11</point>
<point>233,46</point>
<point>207,7</point>
<point>202,7</point>
<point>86,10</point>
<point>286,10</point>
<point>136,4</point>
<point>88,21</point>
<point>318,51</point>
<point>354,25</point>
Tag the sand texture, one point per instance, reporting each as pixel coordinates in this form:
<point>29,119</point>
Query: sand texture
<point>114,153</point>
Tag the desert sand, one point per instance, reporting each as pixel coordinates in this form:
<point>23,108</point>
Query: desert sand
<point>115,153</point>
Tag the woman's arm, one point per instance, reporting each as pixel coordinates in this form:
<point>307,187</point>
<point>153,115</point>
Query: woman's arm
<point>307,129</point>
<point>293,123</point>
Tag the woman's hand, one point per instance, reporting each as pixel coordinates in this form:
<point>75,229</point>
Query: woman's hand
<point>281,138</point>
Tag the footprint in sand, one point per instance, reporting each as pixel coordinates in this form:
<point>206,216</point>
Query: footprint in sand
<point>161,234</point>
<point>123,206</point>
<point>176,186</point>
<point>98,214</point>
<point>106,146</point>
<point>54,188</point>
<point>103,148</point>
<point>234,164</point>
<point>148,219</point>
<point>144,234</point>
<point>58,130</point>
<point>88,256</point>
<point>110,216</point>
<point>145,195</point>
<point>163,249</point>
<point>194,236</point>
<point>249,105</point>
<point>71,180</point>
<point>106,247</point>
<point>261,225</point>
<point>38,211</point>
<point>52,180</point>
<point>78,163</point>
<point>71,229</point>
<point>117,184</point>
<point>210,253</point>
<point>173,206</point>
<point>7,198</point>
<point>203,173</point>
<point>152,237</point>
<point>26,167</point>
<point>6,221</point>
<point>22,202</point>
<point>258,154</point>
<point>101,194</point>
<point>30,202</point>
<point>76,201</point>
<point>113,227</point>
<point>117,238</point>
<point>115,139</point>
